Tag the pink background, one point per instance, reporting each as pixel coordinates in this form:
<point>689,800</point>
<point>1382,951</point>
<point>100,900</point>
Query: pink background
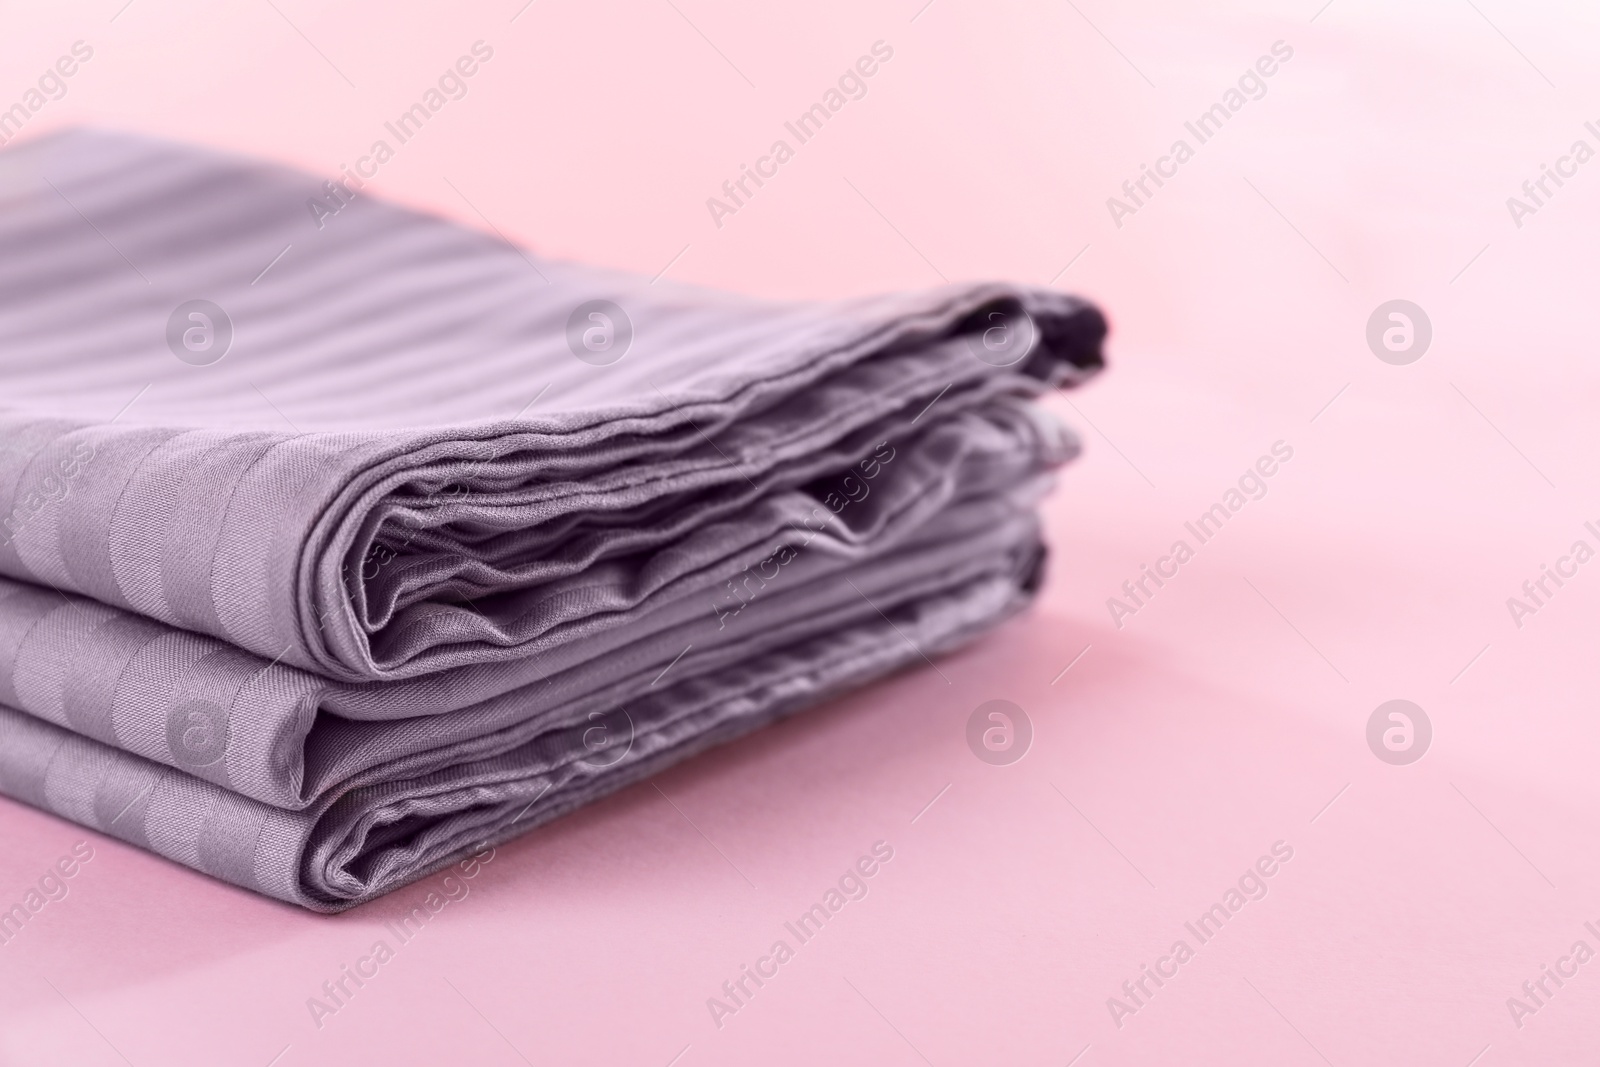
<point>1224,717</point>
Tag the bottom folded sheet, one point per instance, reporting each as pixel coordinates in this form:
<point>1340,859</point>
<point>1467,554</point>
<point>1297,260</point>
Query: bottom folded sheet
<point>402,820</point>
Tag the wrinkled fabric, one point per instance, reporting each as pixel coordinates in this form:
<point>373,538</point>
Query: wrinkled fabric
<point>415,540</point>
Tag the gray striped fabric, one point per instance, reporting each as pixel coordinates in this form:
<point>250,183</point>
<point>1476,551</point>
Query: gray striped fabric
<point>405,539</point>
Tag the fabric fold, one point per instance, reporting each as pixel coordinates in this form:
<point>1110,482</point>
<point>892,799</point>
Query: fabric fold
<point>319,576</point>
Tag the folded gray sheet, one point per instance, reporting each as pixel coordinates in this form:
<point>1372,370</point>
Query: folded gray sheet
<point>412,540</point>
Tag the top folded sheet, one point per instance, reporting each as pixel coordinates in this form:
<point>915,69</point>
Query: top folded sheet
<point>378,445</point>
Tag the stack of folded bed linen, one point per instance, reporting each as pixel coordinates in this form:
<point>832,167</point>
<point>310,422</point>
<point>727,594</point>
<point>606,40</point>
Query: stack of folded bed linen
<point>338,540</point>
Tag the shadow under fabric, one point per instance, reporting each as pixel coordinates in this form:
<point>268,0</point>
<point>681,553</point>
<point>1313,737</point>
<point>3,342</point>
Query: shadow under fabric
<point>429,554</point>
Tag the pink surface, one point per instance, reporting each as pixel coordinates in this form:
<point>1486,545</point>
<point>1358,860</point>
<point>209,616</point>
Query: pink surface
<point>1228,714</point>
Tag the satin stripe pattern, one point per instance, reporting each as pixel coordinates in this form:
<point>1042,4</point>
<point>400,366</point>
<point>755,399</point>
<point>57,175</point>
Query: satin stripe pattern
<point>335,546</point>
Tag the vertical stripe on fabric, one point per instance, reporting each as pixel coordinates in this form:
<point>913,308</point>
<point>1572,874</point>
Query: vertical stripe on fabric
<point>229,838</point>
<point>213,461</point>
<point>52,652</point>
<point>26,748</point>
<point>90,692</point>
<point>25,440</point>
<point>122,805</point>
<point>24,607</point>
<point>86,513</point>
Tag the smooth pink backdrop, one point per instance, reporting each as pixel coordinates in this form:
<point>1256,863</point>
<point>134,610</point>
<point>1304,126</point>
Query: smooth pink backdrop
<point>1223,717</point>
